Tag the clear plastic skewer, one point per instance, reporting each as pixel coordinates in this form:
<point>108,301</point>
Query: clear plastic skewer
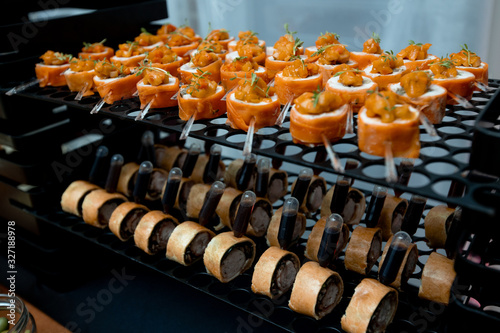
<point>461,100</point>
<point>98,106</point>
<point>187,128</point>
<point>145,111</point>
<point>284,111</point>
<point>22,87</point>
<point>334,158</point>
<point>82,91</point>
<point>391,174</point>
<point>429,127</point>
<point>247,148</point>
<point>350,120</point>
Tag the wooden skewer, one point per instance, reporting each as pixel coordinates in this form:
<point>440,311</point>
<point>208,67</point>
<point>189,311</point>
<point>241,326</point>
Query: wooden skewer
<point>334,158</point>
<point>391,174</point>
<point>247,148</point>
<point>22,87</point>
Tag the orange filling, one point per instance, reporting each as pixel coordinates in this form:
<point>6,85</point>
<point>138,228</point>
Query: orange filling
<point>162,55</point>
<point>211,46</point>
<point>155,76</point>
<point>146,39</point>
<point>249,50</point>
<point>248,37</point>
<point>55,58</point>
<point>93,47</point>
<point>416,83</point>
<point>351,78</point>
<point>218,34</point>
<point>386,64</point>
<point>318,102</point>
<point>443,69</point>
<point>300,69</point>
<point>254,90</point>
<point>81,65</point>
<point>201,87</point>
<point>414,51</point>
<point>129,49</point>
<point>383,105</point>
<point>372,45</point>
<point>326,39</point>
<point>107,70</point>
<point>332,54</point>
<point>465,58</point>
<point>166,29</point>
<point>204,58</point>
<point>240,64</point>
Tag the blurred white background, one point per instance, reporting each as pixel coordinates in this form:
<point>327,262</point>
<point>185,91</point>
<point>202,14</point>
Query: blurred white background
<point>446,24</point>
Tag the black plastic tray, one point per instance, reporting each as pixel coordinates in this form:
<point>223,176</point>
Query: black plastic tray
<point>448,152</point>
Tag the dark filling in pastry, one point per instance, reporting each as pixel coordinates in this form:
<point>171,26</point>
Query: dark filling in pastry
<point>284,275</point>
<point>397,216</point>
<point>233,208</point>
<point>156,184</point>
<point>79,206</point>
<point>315,194</point>
<point>196,248</point>
<point>105,211</point>
<point>160,235</point>
<point>383,314</point>
<point>184,193</point>
<point>374,252</point>
<point>352,206</point>
<point>276,187</point>
<point>236,260</point>
<point>261,216</point>
<point>130,222</point>
<point>328,296</point>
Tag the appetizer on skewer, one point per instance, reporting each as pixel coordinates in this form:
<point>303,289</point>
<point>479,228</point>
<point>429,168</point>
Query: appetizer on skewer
<point>469,61</point>
<point>129,54</point>
<point>416,88</point>
<point>371,52</point>
<point>386,70</point>
<point>212,46</point>
<point>240,68</point>
<point>246,37</point>
<point>251,47</point>
<point>285,50</point>
<point>382,121</point>
<point>205,61</point>
<point>252,99</point>
<point>317,115</point>
<point>157,88</point>
<point>147,41</point>
<point>96,51</point>
<point>297,78</point>
<point>114,81</point>
<point>220,36</point>
<point>50,71</point>
<point>163,57</point>
<point>415,56</point>
<point>202,98</point>
<point>182,40</point>
<point>327,38</point>
<point>80,76</point>
<point>458,83</point>
<point>331,59</point>
<point>352,86</point>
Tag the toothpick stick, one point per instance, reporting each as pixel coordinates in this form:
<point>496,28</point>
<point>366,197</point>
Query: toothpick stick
<point>461,100</point>
<point>145,111</point>
<point>22,87</point>
<point>391,174</point>
<point>82,91</point>
<point>334,158</point>
<point>429,127</point>
<point>482,86</point>
<point>247,148</point>
<point>101,102</point>
<point>284,111</point>
<point>350,120</point>
<point>187,128</point>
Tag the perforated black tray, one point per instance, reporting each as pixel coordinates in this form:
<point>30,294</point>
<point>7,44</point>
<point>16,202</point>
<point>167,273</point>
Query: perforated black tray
<point>443,159</point>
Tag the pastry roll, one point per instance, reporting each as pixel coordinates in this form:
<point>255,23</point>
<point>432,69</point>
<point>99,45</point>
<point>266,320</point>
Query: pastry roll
<point>437,223</point>
<point>437,278</point>
<point>407,266</point>
<point>391,217</point>
<point>233,172</point>
<point>314,240</point>
<point>226,256</point>
<point>187,243</point>
<point>371,309</point>
<point>153,231</point>
<point>314,196</point>
<point>228,204</point>
<point>124,219</point>
<point>98,206</point>
<point>126,182</point>
<point>354,208</point>
<point>195,200</point>
<point>316,290</point>
<point>73,196</point>
<point>259,220</point>
<point>363,249</point>
<point>274,227</point>
<point>169,157</point>
<point>278,185</point>
<point>201,165</point>
<point>275,272</point>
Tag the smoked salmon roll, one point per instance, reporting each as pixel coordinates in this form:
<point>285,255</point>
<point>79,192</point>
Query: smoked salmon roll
<point>212,46</point>
<point>182,40</point>
<point>50,71</point>
<point>129,54</point>
<point>201,98</point>
<point>381,121</point>
<point>332,59</point>
<point>371,52</point>
<point>80,76</point>
<point>114,81</point>
<point>220,36</point>
<point>416,88</point>
<point>240,68</point>
<point>285,49</point>
<point>202,61</point>
<point>296,79</point>
<point>254,52</point>
<point>246,37</point>
<point>469,61</point>
<point>252,99</point>
<point>323,39</point>
<point>456,82</point>
<point>157,87</point>
<point>386,70</point>
<point>96,51</point>
<point>147,41</point>
<point>317,115</point>
<point>352,87</point>
<point>415,56</point>
<point>163,57</point>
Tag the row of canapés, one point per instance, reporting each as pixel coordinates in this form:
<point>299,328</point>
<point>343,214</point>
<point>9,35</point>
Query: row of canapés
<point>325,83</point>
